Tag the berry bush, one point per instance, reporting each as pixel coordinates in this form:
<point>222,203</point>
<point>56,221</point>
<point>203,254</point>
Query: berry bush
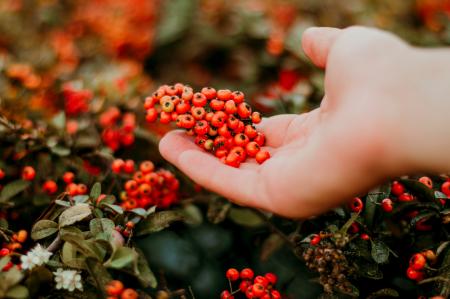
<point>88,207</point>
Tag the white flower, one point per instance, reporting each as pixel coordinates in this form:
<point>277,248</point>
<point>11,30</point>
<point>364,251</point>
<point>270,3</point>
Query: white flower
<point>35,257</point>
<point>68,280</point>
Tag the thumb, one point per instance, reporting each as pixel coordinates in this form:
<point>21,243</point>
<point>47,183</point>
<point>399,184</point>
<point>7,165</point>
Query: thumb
<point>317,42</point>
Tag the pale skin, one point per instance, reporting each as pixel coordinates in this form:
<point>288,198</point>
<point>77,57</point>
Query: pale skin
<point>385,113</point>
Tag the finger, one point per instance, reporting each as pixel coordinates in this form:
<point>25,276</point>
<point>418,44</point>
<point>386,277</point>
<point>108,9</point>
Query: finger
<point>275,128</point>
<point>205,169</point>
<point>317,42</point>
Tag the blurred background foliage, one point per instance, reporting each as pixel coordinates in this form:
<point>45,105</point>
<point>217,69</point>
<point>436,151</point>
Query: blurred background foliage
<point>122,50</point>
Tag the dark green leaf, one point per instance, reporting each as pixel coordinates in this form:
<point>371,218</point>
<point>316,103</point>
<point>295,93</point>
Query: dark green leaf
<point>96,190</point>
<point>178,14</point>
<point>245,217</point>
<point>380,251</point>
<point>74,214</point>
<point>419,189</point>
<point>12,189</point>
<point>43,229</point>
<point>374,197</point>
<point>114,208</point>
<point>144,273</point>
<point>157,222</point>
<point>122,257</point>
<point>101,225</point>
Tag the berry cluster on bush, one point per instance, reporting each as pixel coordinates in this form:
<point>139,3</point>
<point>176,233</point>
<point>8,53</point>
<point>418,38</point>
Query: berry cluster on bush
<point>250,286</point>
<point>118,128</point>
<point>146,186</point>
<point>116,290</point>
<point>221,121</point>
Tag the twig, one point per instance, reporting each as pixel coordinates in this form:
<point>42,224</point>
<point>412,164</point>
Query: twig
<point>55,244</point>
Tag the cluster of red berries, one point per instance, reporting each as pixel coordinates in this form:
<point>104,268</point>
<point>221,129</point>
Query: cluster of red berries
<point>116,290</point>
<point>118,128</point>
<point>147,187</point>
<point>221,121</point>
<point>72,188</point>
<point>16,241</point>
<point>126,232</point>
<point>418,264</point>
<point>253,287</point>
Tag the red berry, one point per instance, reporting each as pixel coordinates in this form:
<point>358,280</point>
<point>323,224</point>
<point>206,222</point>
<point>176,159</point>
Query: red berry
<point>81,189</point>
<point>445,188</point>
<point>252,148</point>
<point>28,173</point>
<point>183,107</point>
<point>2,174</point>
<point>414,274</point>
<point>275,294</point>
<point>146,167</point>
<point>244,285</point>
<point>262,156</point>
<point>405,197</point>
<point>244,110</point>
<point>209,92</point>
<point>386,204</point>
<point>128,167</point>
<point>233,160</point>
<point>149,103</point>
<point>397,188</point>
<point>165,117</point>
<point>68,177</point>
<point>247,273</point>
<point>131,185</point>
<point>315,240</point>
<point>241,139</point>
<point>224,94</point>
<point>201,127</point>
<point>152,115</point>
<point>258,289</point>
<point>230,107</point>
<point>272,278</point>
<point>256,117</point>
<point>199,100</point>
<point>50,187</point>
<point>217,105</point>
<point>249,292</point>
<point>426,181</point>
<point>260,139</point>
<point>232,274</point>
<point>226,295</point>
<point>218,119</point>
<point>356,205</point>
<point>117,165</point>
<point>365,237</point>
<point>72,189</point>
<point>4,252</point>
<point>250,131</point>
<point>114,288</point>
<point>417,261</point>
<point>238,97</point>
<point>129,294</point>
<point>261,280</point>
<point>198,113</point>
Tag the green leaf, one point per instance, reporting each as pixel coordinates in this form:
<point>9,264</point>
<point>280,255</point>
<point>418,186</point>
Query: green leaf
<point>380,251</point>
<point>74,214</point>
<point>60,150</point>
<point>96,190</point>
<point>144,273</point>
<point>177,17</point>
<point>102,226</point>
<point>12,189</point>
<point>245,217</point>
<point>374,197</point>
<point>59,121</point>
<point>140,212</point>
<point>11,278</point>
<point>114,208</point>
<point>63,203</point>
<point>157,222</point>
<point>43,229</point>
<point>108,199</point>
<point>70,257</point>
<point>17,292</point>
<point>4,261</point>
<point>81,198</point>
<point>122,257</point>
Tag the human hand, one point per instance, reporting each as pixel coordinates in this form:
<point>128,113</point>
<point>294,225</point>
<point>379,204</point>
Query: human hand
<point>347,145</point>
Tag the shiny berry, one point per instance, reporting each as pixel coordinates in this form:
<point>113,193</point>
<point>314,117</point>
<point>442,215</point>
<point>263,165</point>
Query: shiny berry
<point>247,273</point>
<point>386,205</point>
<point>426,181</point>
<point>224,94</point>
<point>417,261</point>
<point>397,188</point>
<point>226,295</point>
<point>28,173</point>
<point>129,294</point>
<point>199,100</point>
<point>114,288</point>
<point>356,205</point>
<point>50,187</point>
<point>414,274</point>
<point>405,197</point>
<point>81,189</point>
<point>128,167</point>
<point>117,165</point>
<point>146,167</point>
<point>262,156</point>
<point>256,117</point>
<point>315,240</point>
<point>445,188</point>
<point>209,92</point>
<point>258,289</point>
<point>272,278</point>
<point>232,274</point>
<point>2,174</point>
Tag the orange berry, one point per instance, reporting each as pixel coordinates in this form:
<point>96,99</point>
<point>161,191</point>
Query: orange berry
<point>129,294</point>
<point>114,288</point>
